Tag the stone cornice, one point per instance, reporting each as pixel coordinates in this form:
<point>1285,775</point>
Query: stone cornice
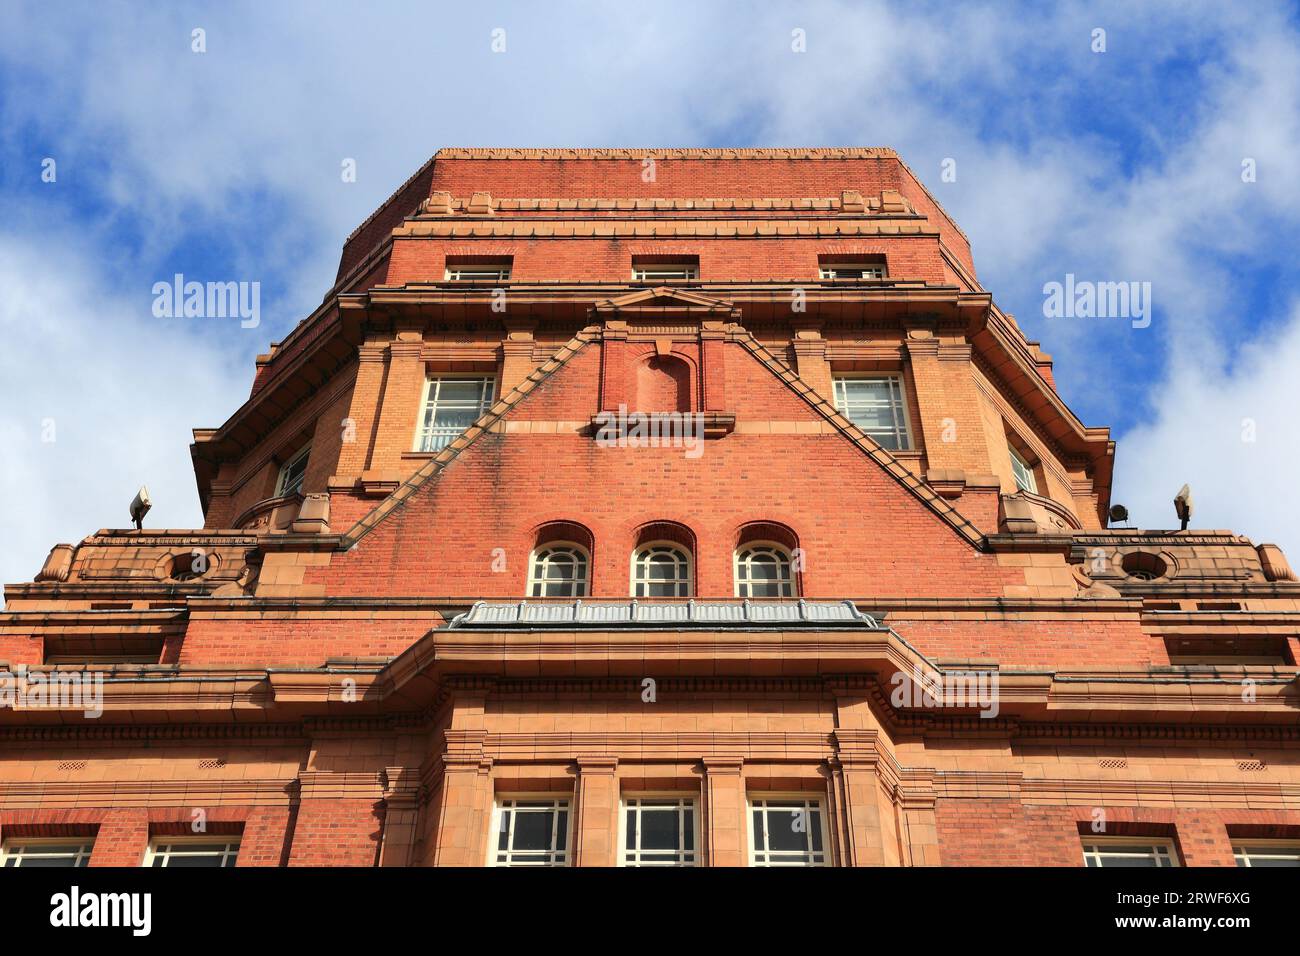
<point>706,153</point>
<point>696,228</point>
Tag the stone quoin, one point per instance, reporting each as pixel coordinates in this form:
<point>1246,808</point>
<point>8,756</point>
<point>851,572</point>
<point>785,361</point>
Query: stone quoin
<point>856,604</point>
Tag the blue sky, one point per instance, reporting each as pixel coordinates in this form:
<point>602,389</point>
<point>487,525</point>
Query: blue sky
<point>1122,165</point>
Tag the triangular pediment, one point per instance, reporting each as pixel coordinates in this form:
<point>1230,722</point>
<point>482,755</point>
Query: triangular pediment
<point>662,299</point>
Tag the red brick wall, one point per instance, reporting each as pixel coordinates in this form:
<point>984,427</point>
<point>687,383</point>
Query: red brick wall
<point>1007,833</point>
<point>275,642</point>
<point>610,260</point>
<point>336,832</point>
<point>505,485</point>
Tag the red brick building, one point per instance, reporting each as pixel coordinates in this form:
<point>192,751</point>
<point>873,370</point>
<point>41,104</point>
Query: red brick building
<point>672,506</point>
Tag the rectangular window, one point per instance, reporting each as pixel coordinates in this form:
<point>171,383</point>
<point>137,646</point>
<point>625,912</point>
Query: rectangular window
<point>875,404</point>
<point>786,832</point>
<point>211,852</point>
<point>663,270</point>
<point>852,270</point>
<point>532,833</point>
<point>1022,473</point>
<point>1130,852</point>
<point>292,473</point>
<point>484,271</point>
<point>1266,853</point>
<point>46,853</point>
<point>451,405</point>
<point>659,831</point>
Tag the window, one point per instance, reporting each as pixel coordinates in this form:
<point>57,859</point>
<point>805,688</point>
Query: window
<point>559,570</point>
<point>494,271</point>
<point>876,406</point>
<point>211,852</point>
<point>292,473</point>
<point>787,832</point>
<point>764,571</point>
<point>1022,472</point>
<point>1265,853</point>
<point>451,405</point>
<point>1129,851</point>
<point>852,270</point>
<point>661,569</point>
<point>659,831</point>
<point>648,270</point>
<point>532,833</point>
<point>46,853</point>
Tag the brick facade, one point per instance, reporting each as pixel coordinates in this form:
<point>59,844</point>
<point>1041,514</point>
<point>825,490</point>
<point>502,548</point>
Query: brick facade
<point>307,673</point>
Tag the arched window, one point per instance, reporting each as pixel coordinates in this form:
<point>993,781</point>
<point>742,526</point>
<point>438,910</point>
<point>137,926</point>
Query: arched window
<point>559,570</point>
<point>661,569</point>
<point>764,570</point>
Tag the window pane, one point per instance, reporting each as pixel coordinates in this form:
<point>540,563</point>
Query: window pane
<point>659,829</point>
<point>787,829</point>
<point>460,390</point>
<point>533,830</point>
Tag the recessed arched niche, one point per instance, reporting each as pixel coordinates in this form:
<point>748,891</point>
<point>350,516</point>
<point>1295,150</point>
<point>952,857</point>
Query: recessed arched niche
<point>663,384</point>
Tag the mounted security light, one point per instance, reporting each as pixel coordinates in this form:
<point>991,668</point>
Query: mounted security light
<point>1183,506</point>
<point>140,506</point>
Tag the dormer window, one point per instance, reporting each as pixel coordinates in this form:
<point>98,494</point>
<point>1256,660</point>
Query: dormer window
<point>292,473</point>
<point>830,269</point>
<point>479,270</point>
<point>1022,472</point>
<point>675,269</point>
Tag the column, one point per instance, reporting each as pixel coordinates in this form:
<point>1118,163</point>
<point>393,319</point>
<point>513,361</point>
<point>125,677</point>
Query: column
<point>725,838</point>
<point>401,815</point>
<point>399,408</point>
<point>362,413</point>
<point>517,353</point>
<point>810,357</point>
<point>596,829</point>
<point>463,812</point>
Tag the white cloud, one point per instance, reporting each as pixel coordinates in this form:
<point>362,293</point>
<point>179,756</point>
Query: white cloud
<point>1231,434</point>
<point>116,389</point>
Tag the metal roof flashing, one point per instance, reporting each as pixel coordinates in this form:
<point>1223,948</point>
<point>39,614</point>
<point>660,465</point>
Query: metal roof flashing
<point>690,614</point>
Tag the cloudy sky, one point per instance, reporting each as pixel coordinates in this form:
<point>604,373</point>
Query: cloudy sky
<point>1117,164</point>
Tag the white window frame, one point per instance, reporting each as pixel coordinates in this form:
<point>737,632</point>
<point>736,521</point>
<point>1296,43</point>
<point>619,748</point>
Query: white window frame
<point>902,428</point>
<point>537,580</point>
<point>510,802</point>
<point>167,848</point>
<point>636,801</point>
<point>684,586</point>
<point>666,271</point>
<point>281,481</point>
<point>1022,473</point>
<point>19,850</point>
<point>788,586</point>
<point>1244,852</point>
<point>828,271</point>
<point>479,271</point>
<point>1160,849</point>
<point>806,857</point>
<point>432,433</point>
